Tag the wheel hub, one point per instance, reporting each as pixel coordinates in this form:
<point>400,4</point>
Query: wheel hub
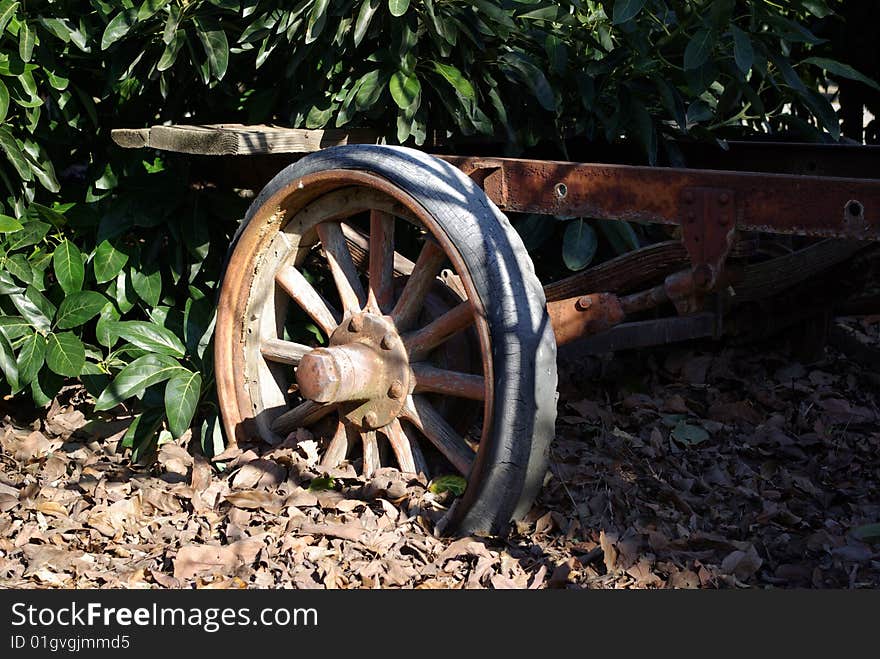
<point>364,368</point>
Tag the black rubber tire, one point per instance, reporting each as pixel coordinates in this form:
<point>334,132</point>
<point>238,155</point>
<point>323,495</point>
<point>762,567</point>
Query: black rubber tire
<point>513,460</point>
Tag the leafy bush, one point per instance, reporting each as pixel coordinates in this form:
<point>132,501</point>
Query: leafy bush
<point>111,261</point>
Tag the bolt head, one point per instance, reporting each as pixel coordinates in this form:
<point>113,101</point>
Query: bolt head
<point>723,198</point>
<point>689,197</point>
<point>370,419</point>
<point>396,390</point>
<point>388,341</point>
<point>356,324</point>
<point>584,303</point>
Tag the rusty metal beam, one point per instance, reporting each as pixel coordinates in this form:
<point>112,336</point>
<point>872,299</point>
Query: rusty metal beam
<point>775,203</point>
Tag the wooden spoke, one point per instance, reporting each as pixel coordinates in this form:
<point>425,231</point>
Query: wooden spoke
<point>406,450</point>
<point>382,259</point>
<point>283,352</point>
<point>351,292</point>
<point>304,294</point>
<point>304,414</point>
<point>451,383</point>
<point>359,246</point>
<point>433,426</point>
<point>411,299</point>
<point>371,453</point>
<point>420,343</point>
<point>337,449</point>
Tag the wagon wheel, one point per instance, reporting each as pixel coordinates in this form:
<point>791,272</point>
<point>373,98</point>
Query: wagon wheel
<point>388,372</point>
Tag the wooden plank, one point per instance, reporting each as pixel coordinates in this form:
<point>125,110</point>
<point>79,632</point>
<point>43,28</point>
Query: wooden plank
<point>237,139</point>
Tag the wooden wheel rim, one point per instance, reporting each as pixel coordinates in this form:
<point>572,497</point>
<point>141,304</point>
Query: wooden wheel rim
<point>279,232</point>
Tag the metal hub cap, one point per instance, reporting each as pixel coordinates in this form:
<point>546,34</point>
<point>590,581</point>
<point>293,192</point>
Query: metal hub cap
<point>365,369</point>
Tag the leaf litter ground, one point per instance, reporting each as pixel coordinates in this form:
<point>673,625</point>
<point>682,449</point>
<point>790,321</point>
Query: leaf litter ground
<point>704,466</point>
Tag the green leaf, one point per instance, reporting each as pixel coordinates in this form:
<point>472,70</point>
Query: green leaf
<point>405,89</point>
<point>149,8</point>
<point>619,234</point>
<point>322,483</point>
<point>842,70</point>
<point>369,89</point>
<point>625,10</point>
<point>743,53</point>
<point>9,224</point>
<point>134,379</point>
<point>7,11</point>
<point>67,262</point>
<point>449,483</point>
<point>66,354</point>
<point>365,15</point>
<point>31,311</point>
<point>13,152</point>
<point>143,429</point>
<point>867,532</point>
<point>8,364</point>
<point>4,101</point>
<point>398,7</point>
<point>169,55</point>
<point>317,20</point>
<point>45,387</point>
<point>181,398</point>
<point>78,308</point>
<point>108,261</point>
<point>14,327</point>
<point>31,356</point>
<point>684,433</point>
<point>216,48</point>
<point>534,79</point>
<point>26,38</point>
<point>698,49</point>
<point>149,336</point>
<point>104,327</point>
<point>453,77</point>
<point>579,244</point>
<point>118,27</point>
<point>147,284</point>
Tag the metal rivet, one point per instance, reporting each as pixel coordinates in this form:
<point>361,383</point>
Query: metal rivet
<point>396,390</point>
<point>692,216</point>
<point>356,324</point>
<point>584,303</point>
<point>688,197</point>
<point>388,341</point>
<point>723,198</point>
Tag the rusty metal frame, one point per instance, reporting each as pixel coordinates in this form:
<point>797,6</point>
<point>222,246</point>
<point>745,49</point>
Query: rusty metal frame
<point>775,203</point>
<point>710,206</point>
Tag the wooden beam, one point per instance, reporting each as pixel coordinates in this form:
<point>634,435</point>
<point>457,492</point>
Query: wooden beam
<point>237,139</point>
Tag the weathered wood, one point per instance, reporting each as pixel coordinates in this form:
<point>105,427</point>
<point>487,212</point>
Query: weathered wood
<point>237,139</point>
<point>283,352</point>
<point>351,292</point>
<point>337,449</point>
<point>359,246</point>
<point>420,343</point>
<point>382,259</point>
<point>450,383</point>
<point>410,302</point>
<point>371,453</point>
<point>429,421</point>
<point>301,416</point>
<point>409,457</point>
<point>302,292</point>
<point>623,274</point>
